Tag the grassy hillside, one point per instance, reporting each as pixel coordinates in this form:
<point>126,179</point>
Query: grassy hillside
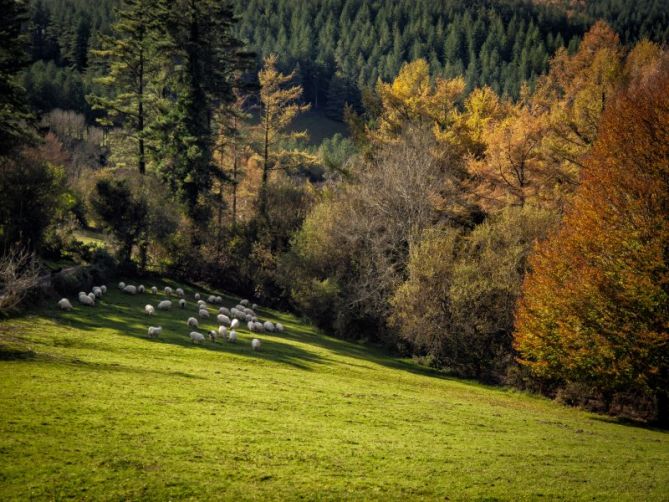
<point>92,409</point>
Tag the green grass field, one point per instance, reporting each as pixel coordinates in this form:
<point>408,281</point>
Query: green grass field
<point>94,410</point>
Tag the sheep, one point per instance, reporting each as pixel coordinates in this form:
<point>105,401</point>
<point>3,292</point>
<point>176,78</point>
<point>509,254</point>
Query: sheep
<point>192,322</point>
<point>197,296</point>
<point>64,304</point>
<point>140,288</point>
<point>180,292</point>
<point>251,326</point>
<point>219,299</point>
<point>255,344</point>
<point>259,327</point>
<point>154,331</point>
<point>244,303</point>
<point>203,313</point>
<point>149,310</point>
<point>234,323</point>
<point>97,291</point>
<point>212,335</point>
<point>254,306</point>
<point>222,331</point>
<point>268,326</point>
<point>279,327</point>
<point>91,296</point>
<point>168,290</point>
<point>224,311</point>
<point>121,285</point>
<point>104,289</point>
<point>202,303</point>
<point>86,300</point>
<point>154,290</point>
<point>182,303</point>
<point>232,336</point>
<point>196,337</point>
<point>131,290</point>
<point>211,299</point>
<point>165,305</point>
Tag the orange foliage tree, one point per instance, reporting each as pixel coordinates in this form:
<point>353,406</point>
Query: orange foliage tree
<point>595,308</point>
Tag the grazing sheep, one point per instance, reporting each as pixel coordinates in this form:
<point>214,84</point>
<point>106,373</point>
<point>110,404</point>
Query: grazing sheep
<point>202,303</point>
<point>279,327</point>
<point>180,292</point>
<point>224,311</point>
<point>244,303</point>
<point>91,296</point>
<point>65,304</point>
<point>268,326</point>
<point>140,288</point>
<point>251,326</point>
<point>193,323</point>
<point>121,285</point>
<point>222,331</point>
<point>86,300</point>
<point>254,306</point>
<point>197,296</point>
<point>255,344</point>
<point>165,305</point>
<point>203,313</point>
<point>149,310</point>
<point>234,323</point>
<point>212,335</point>
<point>232,336</point>
<point>104,289</point>
<point>131,290</point>
<point>168,290</point>
<point>182,303</point>
<point>154,331</point>
<point>154,290</point>
<point>97,291</point>
<point>196,337</point>
<point>219,299</point>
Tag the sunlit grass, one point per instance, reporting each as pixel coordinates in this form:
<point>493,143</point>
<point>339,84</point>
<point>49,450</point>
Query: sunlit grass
<point>93,409</point>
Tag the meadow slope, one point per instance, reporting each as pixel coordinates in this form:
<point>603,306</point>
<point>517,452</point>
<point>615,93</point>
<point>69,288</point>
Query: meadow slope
<point>91,409</point>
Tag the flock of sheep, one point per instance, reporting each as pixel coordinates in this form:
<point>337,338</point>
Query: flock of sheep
<point>228,319</point>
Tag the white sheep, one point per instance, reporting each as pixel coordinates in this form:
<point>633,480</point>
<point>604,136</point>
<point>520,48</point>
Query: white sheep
<point>130,289</point>
<point>244,303</point>
<point>224,311</point>
<point>255,344</point>
<point>254,306</point>
<point>154,290</point>
<point>251,326</point>
<point>192,322</point>
<point>232,336</point>
<point>279,327</point>
<point>197,296</point>
<point>91,296</point>
<point>65,304</point>
<point>121,285</point>
<point>86,300</point>
<point>234,323</point>
<point>202,303</point>
<point>223,319</point>
<point>211,299</point>
<point>168,290</point>
<point>165,305</point>
<point>182,303</point>
<point>140,288</point>
<point>104,289</point>
<point>196,337</point>
<point>212,335</point>
<point>260,327</point>
<point>219,299</point>
<point>97,291</point>
<point>180,292</point>
<point>268,326</point>
<point>149,310</point>
<point>203,313</point>
<point>222,331</point>
<point>154,331</point>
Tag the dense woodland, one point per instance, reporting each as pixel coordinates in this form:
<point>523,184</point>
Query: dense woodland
<point>498,210</point>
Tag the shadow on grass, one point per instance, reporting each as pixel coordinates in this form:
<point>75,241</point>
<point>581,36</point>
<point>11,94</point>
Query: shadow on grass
<point>629,422</point>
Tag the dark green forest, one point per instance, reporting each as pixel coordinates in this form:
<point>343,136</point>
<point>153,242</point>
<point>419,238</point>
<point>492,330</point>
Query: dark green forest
<point>342,47</point>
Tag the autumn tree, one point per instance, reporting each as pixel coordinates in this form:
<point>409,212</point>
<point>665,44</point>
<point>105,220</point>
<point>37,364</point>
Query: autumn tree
<point>280,104</point>
<point>595,305</point>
